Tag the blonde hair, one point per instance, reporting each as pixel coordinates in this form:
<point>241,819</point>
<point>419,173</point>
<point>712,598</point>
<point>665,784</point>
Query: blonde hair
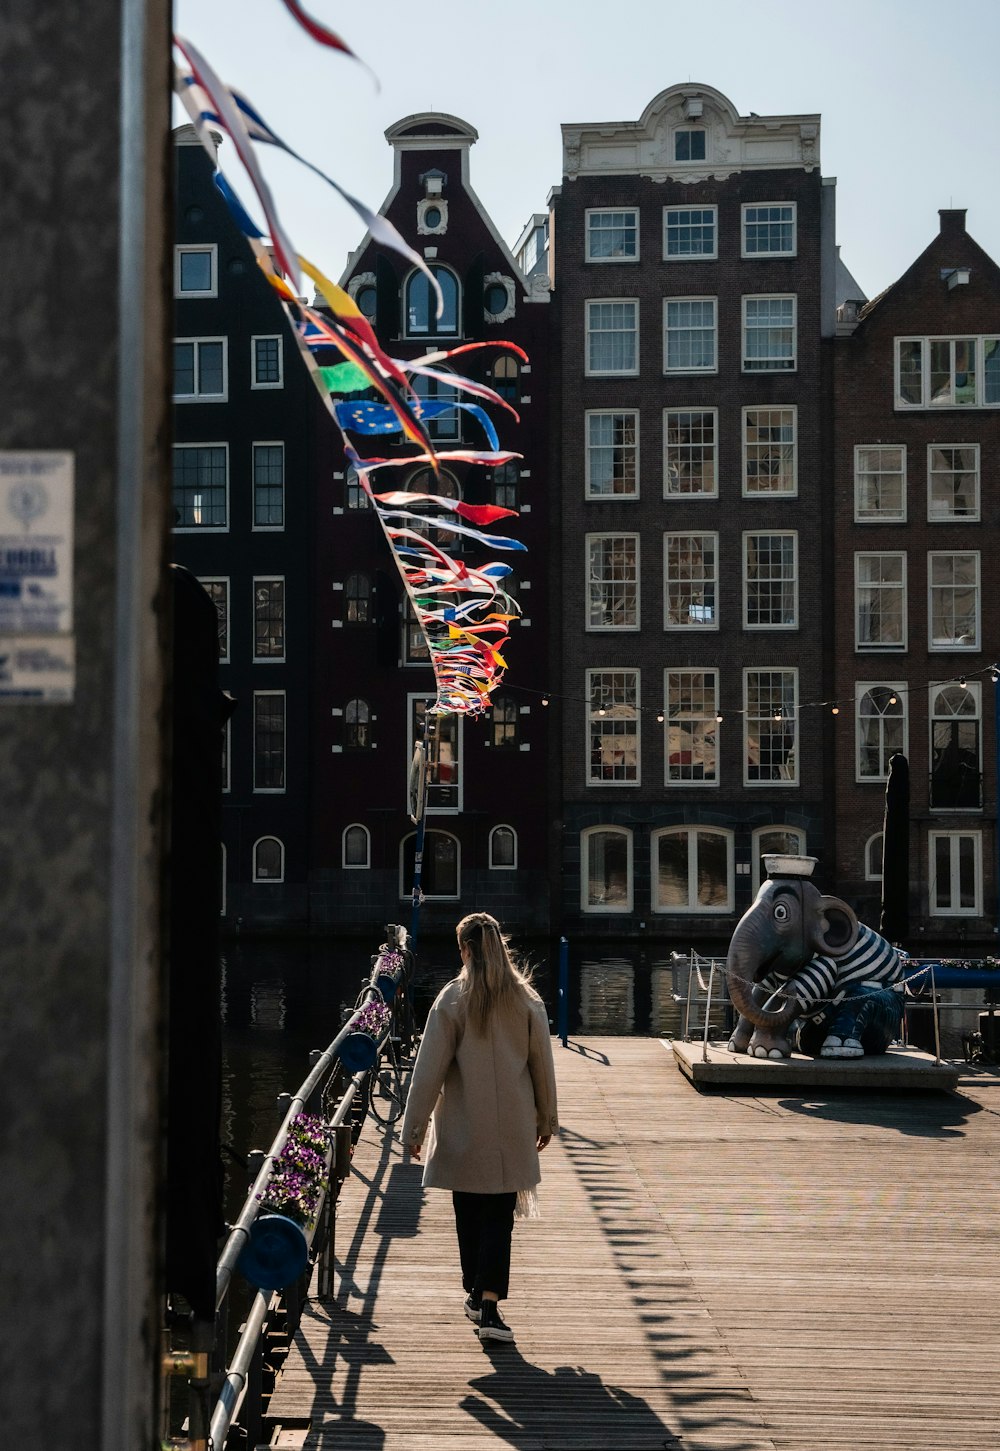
<point>491,980</point>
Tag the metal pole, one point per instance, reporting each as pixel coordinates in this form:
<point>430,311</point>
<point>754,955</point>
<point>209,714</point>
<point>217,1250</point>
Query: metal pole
<point>708,1010</point>
<point>418,853</point>
<point>937,1026</point>
<point>563,1014</point>
<point>996,787</point>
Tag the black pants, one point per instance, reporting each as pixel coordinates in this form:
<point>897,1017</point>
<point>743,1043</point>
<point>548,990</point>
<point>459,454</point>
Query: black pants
<point>484,1223</point>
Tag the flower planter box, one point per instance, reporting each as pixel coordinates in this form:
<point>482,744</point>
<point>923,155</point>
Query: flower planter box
<point>387,974</point>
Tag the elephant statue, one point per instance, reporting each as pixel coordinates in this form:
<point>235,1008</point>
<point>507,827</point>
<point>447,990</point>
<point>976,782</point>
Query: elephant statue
<point>803,972</point>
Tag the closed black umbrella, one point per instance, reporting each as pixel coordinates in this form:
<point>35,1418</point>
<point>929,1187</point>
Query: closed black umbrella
<point>894,922</point>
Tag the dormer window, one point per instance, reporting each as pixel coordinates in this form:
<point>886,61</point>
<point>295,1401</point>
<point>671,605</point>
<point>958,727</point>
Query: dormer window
<point>690,144</point>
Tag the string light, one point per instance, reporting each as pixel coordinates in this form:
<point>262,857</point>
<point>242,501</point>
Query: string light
<point>835,710</point>
<point>545,700</point>
<point>963,682</point>
<point>659,716</point>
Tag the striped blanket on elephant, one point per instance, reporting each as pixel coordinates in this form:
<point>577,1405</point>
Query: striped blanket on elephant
<point>826,981</point>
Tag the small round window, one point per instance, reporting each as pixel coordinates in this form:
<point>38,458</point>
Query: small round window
<point>496,297</point>
<point>366,301</point>
<point>432,217</point>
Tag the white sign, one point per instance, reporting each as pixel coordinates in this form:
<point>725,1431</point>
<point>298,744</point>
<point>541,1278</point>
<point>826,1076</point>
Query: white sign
<point>37,668</point>
<point>36,543</point>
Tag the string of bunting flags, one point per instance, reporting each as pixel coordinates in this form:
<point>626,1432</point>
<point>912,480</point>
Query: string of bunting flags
<point>463,611</point>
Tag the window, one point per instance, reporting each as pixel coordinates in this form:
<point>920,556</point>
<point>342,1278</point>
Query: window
<point>690,452</point>
<point>953,590</point>
<point>267,371</point>
<point>357,498</point>
<point>416,651</point>
<point>268,860</point>
<point>441,420</point>
<point>782,840</point>
<point>218,592</point>
<point>612,337</point>
<point>612,236</point>
<point>357,600</point>
<point>956,748</point>
<point>880,483</point>
<point>873,857</point>
<point>770,706</point>
<point>880,601</point>
<point>504,483</point>
<point>201,486</point>
<point>953,482</point>
<point>769,334</point>
<point>367,299</point>
<point>612,581</point>
<point>504,718</point>
<point>440,872</point>
<point>948,372</point>
<point>196,271</point>
<point>881,728</point>
<point>269,740</point>
<point>689,144</point>
<point>503,849</point>
<point>444,486</point>
<point>689,335</point>
<point>770,581</point>
<point>613,722</point>
<point>770,464</point>
<point>200,370</point>
<point>606,869</point>
<point>421,304</point>
<point>956,873</point>
<point>691,699</point>
<point>612,467</point>
<point>690,581</point>
<point>357,726</point>
<point>443,734</point>
<point>356,851</point>
<point>690,232</point>
<point>692,870</point>
<point>269,619</point>
<point>505,377</point>
<point>769,229</point>
<point>268,485</point>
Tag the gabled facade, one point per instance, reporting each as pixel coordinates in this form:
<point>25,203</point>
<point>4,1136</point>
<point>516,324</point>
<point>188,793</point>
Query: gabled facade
<point>917,624</point>
<point>488,807</point>
<point>695,275</point>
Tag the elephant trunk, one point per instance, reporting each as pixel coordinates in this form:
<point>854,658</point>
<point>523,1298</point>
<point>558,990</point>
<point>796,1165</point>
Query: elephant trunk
<point>742,966</point>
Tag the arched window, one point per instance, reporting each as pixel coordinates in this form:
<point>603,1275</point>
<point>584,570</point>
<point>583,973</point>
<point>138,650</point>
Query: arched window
<point>873,858</point>
<point>606,869</point>
<point>692,869</point>
<point>781,840</point>
<point>356,496</point>
<point>446,486</point>
<point>503,849</point>
<point>503,723</point>
<point>505,486</point>
<point>357,600</point>
<point>505,377</point>
<point>421,304</point>
<point>268,860</point>
<point>956,748</point>
<point>433,393</point>
<point>440,874</point>
<point>881,729</point>
<point>357,847</point>
<point>357,725</point>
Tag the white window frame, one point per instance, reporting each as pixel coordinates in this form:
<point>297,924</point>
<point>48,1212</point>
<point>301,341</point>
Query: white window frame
<point>974,516</point>
<point>886,517</point>
<point>774,364</point>
<point>270,790</point>
<point>592,212</point>
<point>755,256</point>
<point>435,329</point>
<point>772,782</point>
<point>668,493</point>
<point>198,396</point>
<point>254,446</point>
<point>589,446</point>
<point>502,866</point>
<point>756,850</point>
<point>749,534</point>
<point>596,587</point>
<point>598,908</point>
<point>186,248</point>
<point>692,908</point>
<point>702,368</point>
<point>364,866</point>
<point>972,691</point>
<point>898,688</point>
<point>711,256</point>
<point>926,402</point>
<point>260,579</point>
<point>877,647</point>
<point>432,809</point>
<point>673,783</point>
<point>954,836</point>
<point>667,579</point>
<point>690,131</point>
<point>281,873</point>
<point>789,408</point>
<point>592,302</point>
<point>936,646</point>
<point>201,528</point>
<point>267,338</point>
<point>876,836</point>
<point>591,712</point>
<point>207,579</point>
<point>406,887</point>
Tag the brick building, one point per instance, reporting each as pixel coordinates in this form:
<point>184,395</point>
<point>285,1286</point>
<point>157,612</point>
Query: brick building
<point>916,405</point>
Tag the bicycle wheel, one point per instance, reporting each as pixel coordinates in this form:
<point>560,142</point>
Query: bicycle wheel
<point>387,1093</point>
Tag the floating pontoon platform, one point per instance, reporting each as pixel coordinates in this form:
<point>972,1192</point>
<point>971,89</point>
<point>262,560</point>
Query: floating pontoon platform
<point>899,1069</point>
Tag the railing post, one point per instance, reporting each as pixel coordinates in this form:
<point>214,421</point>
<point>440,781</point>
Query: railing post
<point>563,1008</point>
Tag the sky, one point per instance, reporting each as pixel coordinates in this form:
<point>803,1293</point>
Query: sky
<point>906,90</point>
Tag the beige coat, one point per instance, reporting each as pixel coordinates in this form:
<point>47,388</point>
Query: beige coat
<point>486,1099</point>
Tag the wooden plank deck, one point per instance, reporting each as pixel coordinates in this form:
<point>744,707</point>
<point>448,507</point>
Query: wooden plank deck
<point>737,1271</point>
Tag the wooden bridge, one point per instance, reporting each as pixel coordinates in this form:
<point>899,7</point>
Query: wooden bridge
<point>750,1271</point>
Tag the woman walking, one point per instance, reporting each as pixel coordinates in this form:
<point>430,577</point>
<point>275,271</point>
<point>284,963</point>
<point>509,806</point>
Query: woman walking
<point>483,1093</point>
